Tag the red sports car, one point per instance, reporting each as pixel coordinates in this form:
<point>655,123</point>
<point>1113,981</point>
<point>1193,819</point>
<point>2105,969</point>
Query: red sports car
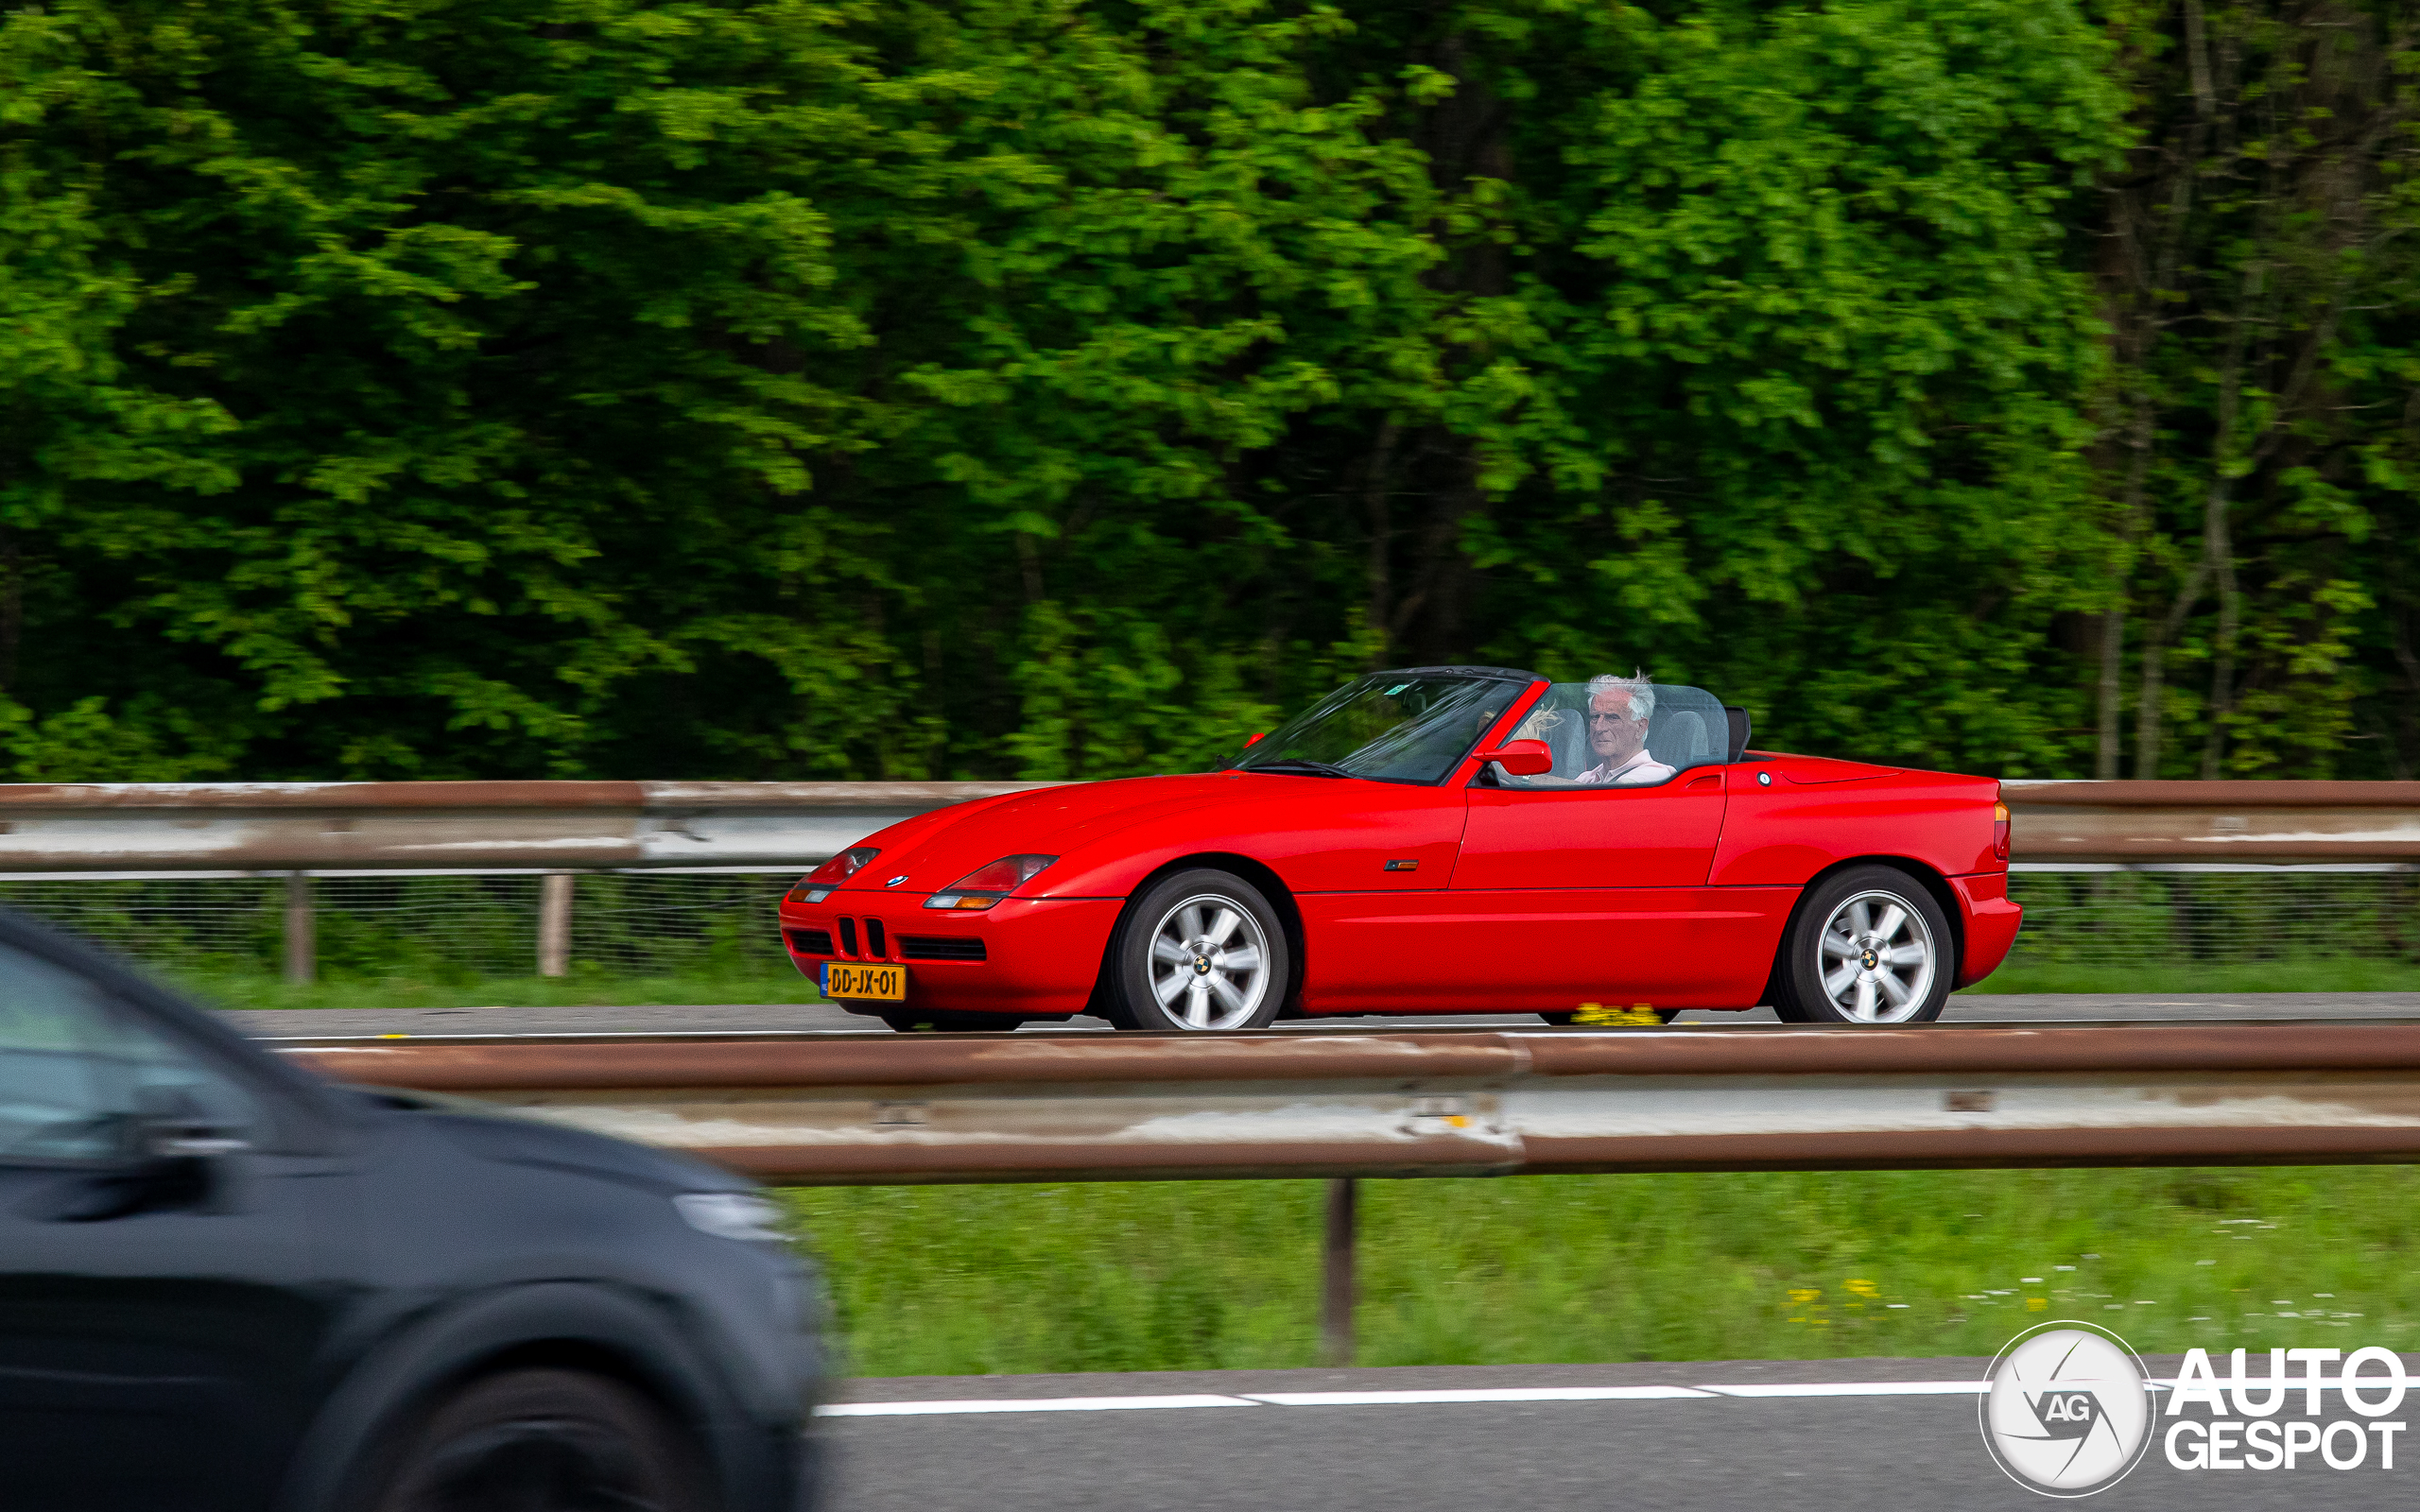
<point>1432,840</point>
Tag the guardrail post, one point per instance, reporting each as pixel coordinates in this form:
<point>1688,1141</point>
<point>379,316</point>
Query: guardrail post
<point>1336,1275</point>
<point>302,946</point>
<point>554,923</point>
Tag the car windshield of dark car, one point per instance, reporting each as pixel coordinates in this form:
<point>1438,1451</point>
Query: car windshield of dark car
<point>1622,733</point>
<point>1390,727</point>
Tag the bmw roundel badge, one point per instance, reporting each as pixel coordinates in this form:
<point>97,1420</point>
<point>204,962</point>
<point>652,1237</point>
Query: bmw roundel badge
<point>896,881</point>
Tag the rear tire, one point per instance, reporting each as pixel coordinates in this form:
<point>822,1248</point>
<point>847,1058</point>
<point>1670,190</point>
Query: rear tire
<point>546,1440</point>
<point>1201,952</point>
<point>912,1022</point>
<point>1869,945</point>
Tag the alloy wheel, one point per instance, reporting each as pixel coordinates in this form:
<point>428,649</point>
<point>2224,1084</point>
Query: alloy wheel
<point>1877,958</point>
<point>1209,962</point>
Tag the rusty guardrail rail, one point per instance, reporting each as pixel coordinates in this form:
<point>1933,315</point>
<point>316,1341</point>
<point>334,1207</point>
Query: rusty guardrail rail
<point>895,1108</point>
<point>251,827</point>
<point>247,827</point>
<point>2214,823</point>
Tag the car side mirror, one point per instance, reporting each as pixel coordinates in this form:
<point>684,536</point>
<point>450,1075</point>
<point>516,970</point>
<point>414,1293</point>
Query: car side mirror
<point>1521,758</point>
<point>1257,739</point>
<point>185,1139</point>
<point>170,1161</point>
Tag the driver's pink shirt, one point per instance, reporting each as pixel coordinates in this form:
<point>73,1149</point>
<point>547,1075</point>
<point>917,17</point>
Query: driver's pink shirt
<point>1640,770</point>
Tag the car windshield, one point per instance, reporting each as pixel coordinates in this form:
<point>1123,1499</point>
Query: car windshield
<point>1393,727</point>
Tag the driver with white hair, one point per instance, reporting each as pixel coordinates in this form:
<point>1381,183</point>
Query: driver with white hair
<point>1619,710</point>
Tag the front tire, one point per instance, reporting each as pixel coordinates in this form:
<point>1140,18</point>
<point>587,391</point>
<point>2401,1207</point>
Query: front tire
<point>1203,951</point>
<point>1869,946</point>
<point>546,1440</point>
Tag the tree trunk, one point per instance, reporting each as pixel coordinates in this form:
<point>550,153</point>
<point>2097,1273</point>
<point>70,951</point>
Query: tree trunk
<point>1377,502</point>
<point>2113,668</point>
<point>2147,707</point>
<point>2218,539</point>
<point>2110,755</point>
<point>2407,713</point>
<point>2147,712</point>
<point>1433,620</point>
<point>12,607</point>
<point>2220,547</point>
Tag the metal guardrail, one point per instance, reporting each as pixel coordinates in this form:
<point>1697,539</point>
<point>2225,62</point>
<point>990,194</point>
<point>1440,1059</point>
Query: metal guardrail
<point>893,1108</point>
<point>2214,823</point>
<point>253,827</point>
<point>901,1109</point>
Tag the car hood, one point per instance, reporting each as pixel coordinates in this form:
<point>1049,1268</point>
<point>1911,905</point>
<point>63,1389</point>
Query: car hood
<point>931,852</point>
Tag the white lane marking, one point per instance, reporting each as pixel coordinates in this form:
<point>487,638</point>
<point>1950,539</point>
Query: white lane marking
<point>1400,1398</point>
<point>918,1409</point>
<point>1388,1398</point>
<point>1857,1388</point>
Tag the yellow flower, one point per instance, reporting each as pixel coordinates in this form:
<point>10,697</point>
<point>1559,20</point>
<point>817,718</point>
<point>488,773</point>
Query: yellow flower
<point>1598,1016</point>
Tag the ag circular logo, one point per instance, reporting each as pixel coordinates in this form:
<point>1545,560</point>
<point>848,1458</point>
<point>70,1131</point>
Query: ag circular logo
<point>2063,1411</point>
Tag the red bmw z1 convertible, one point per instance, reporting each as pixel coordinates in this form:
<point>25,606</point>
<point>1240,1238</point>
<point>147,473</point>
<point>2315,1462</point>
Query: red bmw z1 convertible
<point>1432,840</point>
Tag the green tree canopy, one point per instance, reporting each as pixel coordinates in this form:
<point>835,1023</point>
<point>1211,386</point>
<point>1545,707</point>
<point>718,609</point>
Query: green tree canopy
<point>1034,388</point>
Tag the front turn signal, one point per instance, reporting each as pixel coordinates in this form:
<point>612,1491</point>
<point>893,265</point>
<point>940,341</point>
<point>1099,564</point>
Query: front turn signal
<point>1999,832</point>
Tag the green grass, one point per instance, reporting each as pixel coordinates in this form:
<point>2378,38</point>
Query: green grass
<point>2258,976</point>
<point>252,989</point>
<point>1141,1276</point>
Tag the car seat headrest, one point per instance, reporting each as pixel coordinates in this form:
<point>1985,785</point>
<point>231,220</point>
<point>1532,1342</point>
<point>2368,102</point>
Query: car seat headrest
<point>1679,739</point>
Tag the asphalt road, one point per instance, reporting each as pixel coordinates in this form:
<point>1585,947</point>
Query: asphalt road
<point>1965,1007</point>
<point>1714,1452</point>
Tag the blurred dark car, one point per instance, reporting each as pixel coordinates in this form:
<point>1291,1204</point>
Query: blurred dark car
<point>225,1284</point>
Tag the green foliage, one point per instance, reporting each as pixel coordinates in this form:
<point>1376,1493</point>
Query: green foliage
<point>1035,387</point>
<point>1813,440</point>
<point>390,989</point>
<point>1190,1276</point>
<point>2258,438</point>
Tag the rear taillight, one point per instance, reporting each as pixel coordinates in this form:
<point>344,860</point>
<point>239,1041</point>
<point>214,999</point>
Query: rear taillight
<point>1999,832</point>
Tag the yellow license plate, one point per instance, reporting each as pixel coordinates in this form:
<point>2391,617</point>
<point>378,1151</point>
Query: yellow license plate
<point>887,984</point>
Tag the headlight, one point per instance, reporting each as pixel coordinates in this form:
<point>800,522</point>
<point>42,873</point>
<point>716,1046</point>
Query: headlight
<point>986,886</point>
<point>818,884</point>
<point>731,1215</point>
